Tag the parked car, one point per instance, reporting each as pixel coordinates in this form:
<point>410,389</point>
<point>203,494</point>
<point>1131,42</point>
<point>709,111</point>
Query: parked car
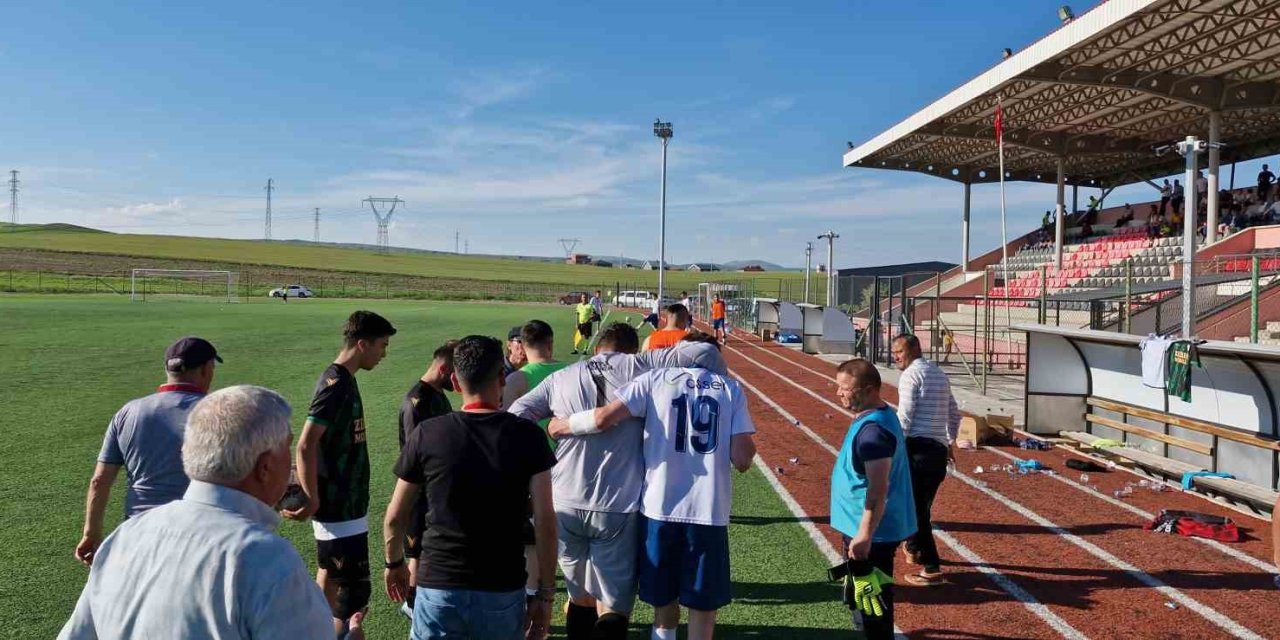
<point>573,297</point>
<point>294,291</point>
<point>638,299</point>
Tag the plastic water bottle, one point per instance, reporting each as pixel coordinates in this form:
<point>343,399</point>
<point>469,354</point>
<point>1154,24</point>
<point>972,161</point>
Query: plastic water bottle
<point>979,470</point>
<point>1084,478</point>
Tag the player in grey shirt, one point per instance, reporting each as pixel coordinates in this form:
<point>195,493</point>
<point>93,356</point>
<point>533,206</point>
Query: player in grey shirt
<point>597,480</point>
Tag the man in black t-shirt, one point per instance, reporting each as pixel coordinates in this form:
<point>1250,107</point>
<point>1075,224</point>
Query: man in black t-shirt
<point>425,400</point>
<point>333,468</point>
<point>477,468</point>
<point>1265,180</point>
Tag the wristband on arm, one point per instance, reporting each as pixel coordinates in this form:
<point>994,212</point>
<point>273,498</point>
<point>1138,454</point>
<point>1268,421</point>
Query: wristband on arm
<point>583,423</point>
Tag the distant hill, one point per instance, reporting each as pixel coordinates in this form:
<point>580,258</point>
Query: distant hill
<point>5,227</point>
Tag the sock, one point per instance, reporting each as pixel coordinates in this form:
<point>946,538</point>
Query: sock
<point>579,622</point>
<point>663,634</point>
<point>610,626</point>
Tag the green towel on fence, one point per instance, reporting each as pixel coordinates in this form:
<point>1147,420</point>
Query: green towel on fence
<point>1106,442</point>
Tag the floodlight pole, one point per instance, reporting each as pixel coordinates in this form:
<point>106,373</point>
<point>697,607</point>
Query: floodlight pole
<point>830,237</point>
<point>664,132</point>
<point>808,262</point>
<point>1189,148</point>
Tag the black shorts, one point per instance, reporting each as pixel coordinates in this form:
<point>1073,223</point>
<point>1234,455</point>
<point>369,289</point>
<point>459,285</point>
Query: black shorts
<point>347,562</point>
<point>585,329</point>
<point>345,557</point>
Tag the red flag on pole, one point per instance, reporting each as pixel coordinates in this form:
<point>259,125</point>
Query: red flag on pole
<point>999,124</point>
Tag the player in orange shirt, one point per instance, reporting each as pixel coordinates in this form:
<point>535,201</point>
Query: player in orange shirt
<point>674,328</point>
<point>717,318</point>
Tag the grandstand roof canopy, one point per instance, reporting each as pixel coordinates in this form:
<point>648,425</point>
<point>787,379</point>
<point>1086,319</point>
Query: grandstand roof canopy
<point>1103,92</point>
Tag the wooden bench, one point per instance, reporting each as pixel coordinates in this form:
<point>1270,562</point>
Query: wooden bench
<point>1166,466</point>
<point>1254,496</point>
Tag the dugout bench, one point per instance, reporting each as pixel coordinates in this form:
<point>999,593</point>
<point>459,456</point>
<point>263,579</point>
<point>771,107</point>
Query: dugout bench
<point>1085,385</point>
<point>1206,443</point>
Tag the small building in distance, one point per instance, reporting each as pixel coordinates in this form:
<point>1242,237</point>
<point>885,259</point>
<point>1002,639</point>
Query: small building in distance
<point>578,258</point>
<point>703,266</point>
<point>753,268</point>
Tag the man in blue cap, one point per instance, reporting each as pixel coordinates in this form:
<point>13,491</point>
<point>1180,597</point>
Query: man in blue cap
<point>145,437</point>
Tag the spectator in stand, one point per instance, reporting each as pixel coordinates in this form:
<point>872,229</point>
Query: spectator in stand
<point>1265,181</point>
<point>1091,214</point>
<point>1125,218</point>
<point>1166,192</point>
<point>1153,222</point>
<point>1202,190</point>
<point>1047,222</point>
<point>1178,197</point>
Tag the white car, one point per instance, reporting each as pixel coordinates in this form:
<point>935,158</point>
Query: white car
<point>293,290</point>
<point>638,299</point>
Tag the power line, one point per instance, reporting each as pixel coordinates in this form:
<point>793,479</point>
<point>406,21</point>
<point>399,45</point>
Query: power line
<point>317,225</point>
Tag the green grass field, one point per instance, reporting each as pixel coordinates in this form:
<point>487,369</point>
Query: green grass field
<point>326,258</point>
<point>71,361</point>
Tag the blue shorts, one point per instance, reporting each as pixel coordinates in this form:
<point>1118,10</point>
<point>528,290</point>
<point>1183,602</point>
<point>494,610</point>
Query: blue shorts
<point>685,562</point>
<point>718,323</point>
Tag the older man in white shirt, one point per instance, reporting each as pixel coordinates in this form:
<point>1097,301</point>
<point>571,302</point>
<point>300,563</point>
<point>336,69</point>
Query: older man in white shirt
<point>930,420</point>
<point>211,564</point>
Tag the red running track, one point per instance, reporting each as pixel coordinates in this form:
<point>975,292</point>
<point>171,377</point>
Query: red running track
<point>1080,557</point>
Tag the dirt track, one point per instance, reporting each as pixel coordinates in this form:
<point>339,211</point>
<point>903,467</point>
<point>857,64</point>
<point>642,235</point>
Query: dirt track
<point>1086,560</point>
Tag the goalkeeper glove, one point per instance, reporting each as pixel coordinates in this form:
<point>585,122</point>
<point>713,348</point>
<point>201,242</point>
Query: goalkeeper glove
<point>863,586</point>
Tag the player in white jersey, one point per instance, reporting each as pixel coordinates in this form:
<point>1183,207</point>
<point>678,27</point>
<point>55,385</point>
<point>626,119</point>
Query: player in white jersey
<point>696,426</point>
<point>597,480</point>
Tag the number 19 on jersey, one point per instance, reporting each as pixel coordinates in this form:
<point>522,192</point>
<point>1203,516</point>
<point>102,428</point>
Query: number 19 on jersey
<point>701,414</point>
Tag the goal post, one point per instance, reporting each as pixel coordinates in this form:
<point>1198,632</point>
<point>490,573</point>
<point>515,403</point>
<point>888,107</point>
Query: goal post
<point>194,284</point>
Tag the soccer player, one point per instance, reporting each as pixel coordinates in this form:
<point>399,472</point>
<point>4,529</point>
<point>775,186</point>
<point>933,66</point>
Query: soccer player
<point>598,479</point>
<point>333,468</point>
<point>717,318</point>
<point>696,428</point>
<point>583,313</point>
<point>539,348</point>
<point>871,496</point>
<point>145,437</point>
<point>425,400</point>
<point>676,323</point>
<point>478,468</point>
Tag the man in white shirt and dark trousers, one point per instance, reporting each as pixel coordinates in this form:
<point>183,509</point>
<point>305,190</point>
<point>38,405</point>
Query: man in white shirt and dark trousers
<point>930,420</point>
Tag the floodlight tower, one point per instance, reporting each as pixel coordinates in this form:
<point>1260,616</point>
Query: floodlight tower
<point>266,227</point>
<point>808,263</point>
<point>664,132</point>
<point>830,237</point>
<point>383,220</point>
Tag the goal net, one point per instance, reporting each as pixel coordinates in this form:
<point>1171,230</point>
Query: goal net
<point>158,284</point>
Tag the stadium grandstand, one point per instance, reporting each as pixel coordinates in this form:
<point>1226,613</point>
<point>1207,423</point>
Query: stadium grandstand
<point>1097,104</point>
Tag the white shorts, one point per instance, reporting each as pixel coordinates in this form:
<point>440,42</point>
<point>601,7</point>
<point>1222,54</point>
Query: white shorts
<point>598,555</point>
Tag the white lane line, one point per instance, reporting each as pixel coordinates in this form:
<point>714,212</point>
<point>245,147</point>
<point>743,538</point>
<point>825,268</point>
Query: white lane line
<point>824,545</point>
<point>772,352</point>
<point>1206,612</point>
<point>1003,582</point>
<point>1261,565</point>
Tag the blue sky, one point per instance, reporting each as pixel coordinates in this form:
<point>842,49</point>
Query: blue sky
<point>513,123</point>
